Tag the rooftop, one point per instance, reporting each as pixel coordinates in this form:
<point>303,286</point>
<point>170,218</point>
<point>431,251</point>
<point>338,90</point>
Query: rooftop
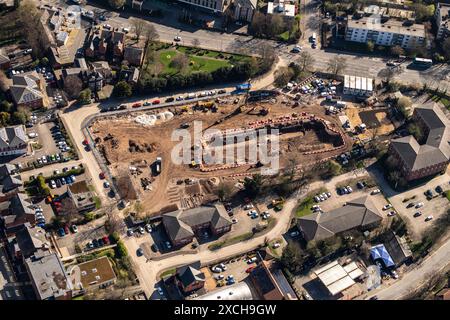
<point>391,25</point>
<point>94,272</point>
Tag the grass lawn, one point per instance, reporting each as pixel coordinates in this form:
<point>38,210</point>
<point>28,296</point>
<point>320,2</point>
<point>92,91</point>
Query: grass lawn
<point>227,242</point>
<point>168,273</point>
<point>197,63</point>
<point>284,36</point>
<point>304,208</point>
<point>444,100</point>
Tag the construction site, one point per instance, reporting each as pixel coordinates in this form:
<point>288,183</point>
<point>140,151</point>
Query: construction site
<point>137,146</point>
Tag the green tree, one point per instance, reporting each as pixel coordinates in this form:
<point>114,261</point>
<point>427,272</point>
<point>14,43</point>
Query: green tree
<point>224,191</point>
<point>180,62</point>
<point>44,61</point>
<point>122,89</point>
<point>416,131</point>
<point>19,117</point>
<point>370,46</point>
<point>404,105</point>
<point>292,257</point>
<point>89,216</point>
<point>85,96</point>
<point>253,185</point>
<point>121,249</point>
<point>283,75</point>
<point>6,106</point>
<point>116,4</point>
<point>4,119</point>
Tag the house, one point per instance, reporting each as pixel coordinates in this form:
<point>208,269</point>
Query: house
<point>81,197</point>
<point>26,90</point>
<point>283,8</point>
<point>270,283</point>
<point>130,75</point>
<point>103,68</point>
<point>189,278</point>
<point>385,33</point>
<point>398,248</point>
<point>183,225</point>
<point>48,277</point>
<point>30,241</point>
<point>101,40</point>
<point>15,212</point>
<point>70,73</point>
<point>442,18</point>
<point>13,141</point>
<point>244,9</point>
<point>9,186</point>
<point>97,48</point>
<point>93,274</point>
<point>360,213</point>
<point>134,55</point>
<point>418,159</point>
<point>118,42</point>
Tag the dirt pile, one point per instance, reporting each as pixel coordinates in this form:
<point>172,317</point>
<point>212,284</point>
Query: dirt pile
<point>133,146</point>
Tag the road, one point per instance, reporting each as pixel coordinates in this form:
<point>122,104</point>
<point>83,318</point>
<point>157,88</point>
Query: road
<point>435,263</point>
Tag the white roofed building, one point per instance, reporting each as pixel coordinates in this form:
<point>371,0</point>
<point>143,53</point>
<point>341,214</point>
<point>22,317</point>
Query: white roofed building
<point>358,86</point>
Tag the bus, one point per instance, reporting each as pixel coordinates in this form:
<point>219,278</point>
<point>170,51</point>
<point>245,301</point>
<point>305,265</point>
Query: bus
<point>422,62</point>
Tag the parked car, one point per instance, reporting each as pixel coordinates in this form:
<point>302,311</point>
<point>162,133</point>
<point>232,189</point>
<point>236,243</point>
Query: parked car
<point>248,270</point>
<point>101,243</point>
<point>154,247</point>
<point>222,266</point>
<point>429,218</point>
<point>439,189</point>
<point>168,245</point>
<point>216,269</point>
<point>419,205</point>
<point>177,39</point>
<point>61,232</point>
<point>387,206</point>
<point>294,234</point>
<point>156,102</point>
<point>218,276</point>
<point>140,252</point>
<point>252,260</point>
<point>417,214</point>
<point>52,184</point>
<point>141,230</point>
<point>95,243</point>
<point>148,228</point>
<point>74,228</point>
<point>391,213</point>
<point>410,205</point>
<point>130,232</point>
<point>376,191</point>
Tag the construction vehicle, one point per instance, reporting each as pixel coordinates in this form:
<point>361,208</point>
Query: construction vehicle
<point>277,204</point>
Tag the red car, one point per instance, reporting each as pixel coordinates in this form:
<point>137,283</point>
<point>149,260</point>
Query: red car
<point>156,102</point>
<point>102,175</point>
<point>136,105</point>
<point>85,142</point>
<point>66,229</point>
<point>250,269</point>
<point>105,240</point>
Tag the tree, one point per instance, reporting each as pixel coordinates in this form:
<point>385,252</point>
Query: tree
<point>116,4</point>
<point>292,257</point>
<point>397,51</point>
<point>4,82</point>
<point>73,86</point>
<point>423,12</point>
<point>85,96</point>
<point>6,106</point>
<point>337,65</point>
<point>4,119</point>
<point>253,185</point>
<point>121,249</point>
<point>416,131</point>
<point>306,61</point>
<point>19,117</point>
<point>370,46</point>
<point>267,53</point>
<point>195,42</point>
<point>446,48</point>
<point>224,191</point>
<point>30,17</point>
<point>138,27</point>
<point>276,25</point>
<point>150,34</point>
<point>179,62</point>
<point>122,89</point>
<point>404,105</point>
<point>282,76</point>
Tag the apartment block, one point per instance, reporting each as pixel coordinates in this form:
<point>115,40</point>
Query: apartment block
<point>385,32</point>
<point>442,17</point>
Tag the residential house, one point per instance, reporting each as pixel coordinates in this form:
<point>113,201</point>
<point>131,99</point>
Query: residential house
<point>81,197</point>
<point>270,283</point>
<point>9,186</point>
<point>189,278</point>
<point>13,141</point>
<point>30,241</point>
<point>398,248</point>
<point>442,18</point>
<point>15,212</point>
<point>93,274</point>
<point>360,213</point>
<point>284,8</point>
<point>118,42</point>
<point>130,75</point>
<point>48,277</point>
<point>26,90</point>
<point>385,32</point>
<point>134,56</point>
<point>183,225</point>
<point>418,159</point>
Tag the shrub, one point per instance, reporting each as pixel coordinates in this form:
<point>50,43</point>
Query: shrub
<point>121,249</point>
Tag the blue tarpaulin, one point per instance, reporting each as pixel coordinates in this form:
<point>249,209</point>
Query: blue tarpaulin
<point>380,252</point>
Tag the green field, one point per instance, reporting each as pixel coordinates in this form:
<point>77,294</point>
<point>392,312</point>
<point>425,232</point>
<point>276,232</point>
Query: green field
<point>196,63</point>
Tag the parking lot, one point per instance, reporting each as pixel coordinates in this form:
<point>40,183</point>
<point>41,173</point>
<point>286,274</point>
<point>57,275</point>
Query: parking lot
<point>85,234</point>
<point>434,207</point>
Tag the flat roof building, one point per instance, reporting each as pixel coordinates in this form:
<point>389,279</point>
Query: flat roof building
<point>337,278</point>
<point>97,273</point>
<point>358,86</point>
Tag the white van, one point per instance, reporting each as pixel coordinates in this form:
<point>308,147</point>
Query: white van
<point>191,96</point>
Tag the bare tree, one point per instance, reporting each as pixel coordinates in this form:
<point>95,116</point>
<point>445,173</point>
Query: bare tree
<point>73,86</point>
<point>179,62</point>
<point>306,61</point>
<point>138,27</point>
<point>337,65</point>
<point>29,17</point>
<point>150,33</point>
<point>195,42</point>
<point>282,76</point>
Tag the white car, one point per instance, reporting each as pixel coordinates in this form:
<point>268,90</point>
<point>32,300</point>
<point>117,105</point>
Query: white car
<point>168,245</point>
<point>387,206</point>
<point>52,184</point>
<point>141,230</point>
<point>148,228</point>
<point>248,206</point>
<point>219,276</point>
<point>216,269</point>
<point>177,38</point>
<point>222,266</point>
<point>126,30</point>
<point>294,234</point>
<point>419,205</point>
<point>429,218</point>
<point>276,245</point>
<point>350,190</point>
